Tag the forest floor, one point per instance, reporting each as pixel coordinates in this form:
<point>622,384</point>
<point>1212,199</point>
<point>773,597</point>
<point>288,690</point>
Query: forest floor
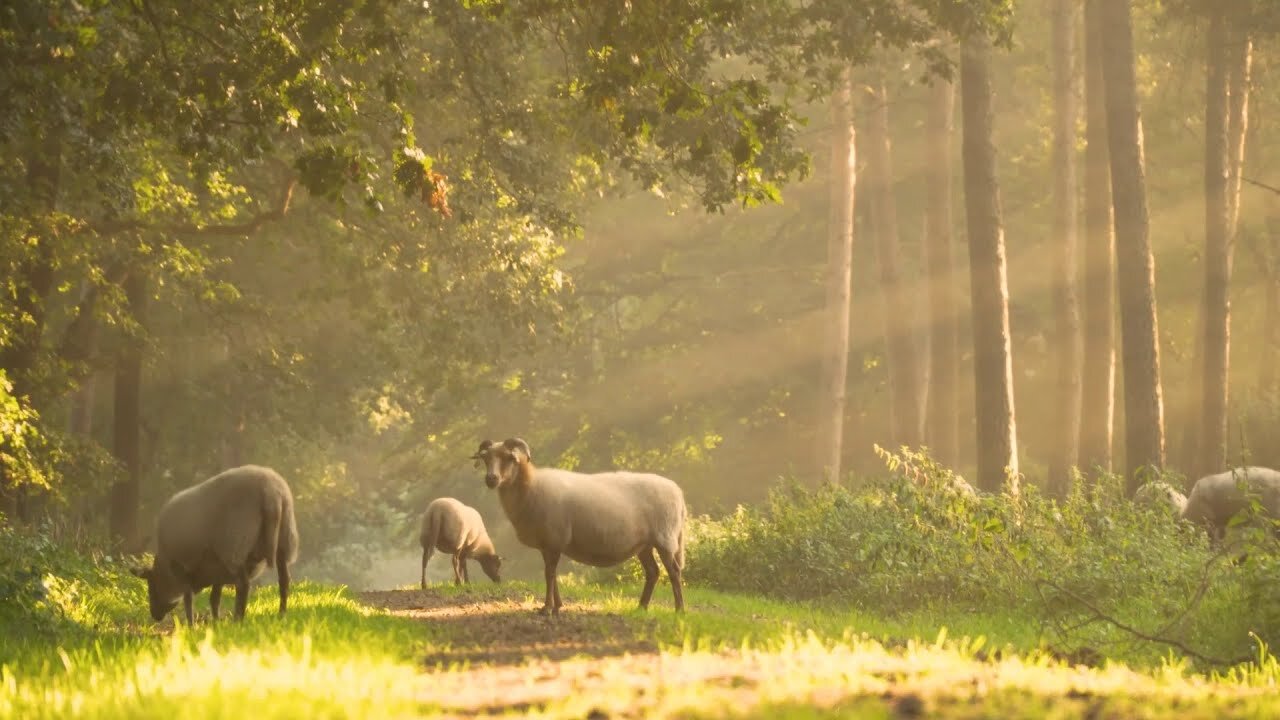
<point>482,651</point>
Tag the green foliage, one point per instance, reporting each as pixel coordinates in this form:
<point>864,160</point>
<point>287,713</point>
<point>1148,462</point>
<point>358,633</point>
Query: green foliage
<point>911,543</point>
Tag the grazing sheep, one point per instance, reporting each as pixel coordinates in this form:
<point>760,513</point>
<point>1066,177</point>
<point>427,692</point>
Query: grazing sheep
<point>600,519</point>
<point>454,528</point>
<point>224,531</point>
<point>1159,493</point>
<point>1214,499</point>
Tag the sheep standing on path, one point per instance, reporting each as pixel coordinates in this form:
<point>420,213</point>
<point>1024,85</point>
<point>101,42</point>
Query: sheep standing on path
<point>600,519</point>
<point>223,531</point>
<point>452,527</point>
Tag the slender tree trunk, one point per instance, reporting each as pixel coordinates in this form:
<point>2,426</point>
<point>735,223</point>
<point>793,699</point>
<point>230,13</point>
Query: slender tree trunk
<point>1241,66</point>
<point>988,276</point>
<point>128,419</point>
<point>944,293</point>
<point>1269,378</point>
<point>1144,407</point>
<point>902,353</point>
<point>1216,309</point>
<point>1065,299</point>
<point>1097,411</point>
<point>839,272</point>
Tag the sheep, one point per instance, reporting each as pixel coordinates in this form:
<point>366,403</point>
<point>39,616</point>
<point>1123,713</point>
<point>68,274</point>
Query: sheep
<point>1214,499</point>
<point>598,519</point>
<point>452,527</point>
<point>1159,493</point>
<point>223,531</point>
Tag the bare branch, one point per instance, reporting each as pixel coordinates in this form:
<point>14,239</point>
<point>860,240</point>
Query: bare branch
<point>1259,183</point>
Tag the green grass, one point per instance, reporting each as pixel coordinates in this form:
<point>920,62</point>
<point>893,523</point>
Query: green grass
<point>729,656</point>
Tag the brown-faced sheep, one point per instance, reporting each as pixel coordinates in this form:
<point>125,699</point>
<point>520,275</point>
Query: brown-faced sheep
<point>1214,499</point>
<point>223,531</point>
<point>600,519</point>
<point>457,529</point>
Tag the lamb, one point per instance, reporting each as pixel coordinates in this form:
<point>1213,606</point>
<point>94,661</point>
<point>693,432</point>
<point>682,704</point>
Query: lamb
<point>223,531</point>
<point>1214,499</point>
<point>452,527</point>
<point>599,519</point>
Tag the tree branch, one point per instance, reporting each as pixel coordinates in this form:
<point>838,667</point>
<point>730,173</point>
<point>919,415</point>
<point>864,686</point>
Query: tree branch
<point>1259,183</point>
<point>246,228</point>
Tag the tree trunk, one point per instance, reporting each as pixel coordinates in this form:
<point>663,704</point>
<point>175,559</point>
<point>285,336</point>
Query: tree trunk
<point>1241,64</point>
<point>1065,299</point>
<point>1097,405</point>
<point>989,286</point>
<point>128,418</point>
<point>839,272</point>
<point>944,293</point>
<point>1216,309</point>
<point>1144,407</point>
<point>904,378</point>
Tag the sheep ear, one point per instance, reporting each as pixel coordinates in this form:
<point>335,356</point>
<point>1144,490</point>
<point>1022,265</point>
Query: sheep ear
<point>519,444</point>
<point>142,572</point>
<point>484,445</point>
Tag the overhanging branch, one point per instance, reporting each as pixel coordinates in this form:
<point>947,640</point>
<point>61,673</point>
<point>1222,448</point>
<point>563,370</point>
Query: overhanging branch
<point>246,228</point>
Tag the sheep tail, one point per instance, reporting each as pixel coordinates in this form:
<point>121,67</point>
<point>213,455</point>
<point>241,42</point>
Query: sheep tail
<point>684,518</point>
<point>269,533</point>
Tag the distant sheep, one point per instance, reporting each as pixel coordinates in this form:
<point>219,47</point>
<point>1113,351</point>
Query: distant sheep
<point>223,531</point>
<point>600,519</point>
<point>452,527</point>
<point>1159,493</point>
<point>1214,499</point>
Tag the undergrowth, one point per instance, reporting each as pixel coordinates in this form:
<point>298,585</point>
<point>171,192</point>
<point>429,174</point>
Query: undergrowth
<point>1099,573</point>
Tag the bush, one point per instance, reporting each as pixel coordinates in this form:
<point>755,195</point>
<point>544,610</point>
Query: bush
<point>911,541</point>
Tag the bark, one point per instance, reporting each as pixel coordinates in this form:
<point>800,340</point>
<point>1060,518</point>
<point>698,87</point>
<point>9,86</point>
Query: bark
<point>839,271</point>
<point>902,353</point>
<point>127,420</point>
<point>1240,69</point>
<point>1143,404</point>
<point>992,354</point>
<point>1097,408</point>
<point>1065,298</point>
<point>944,292</point>
<point>1216,308</point>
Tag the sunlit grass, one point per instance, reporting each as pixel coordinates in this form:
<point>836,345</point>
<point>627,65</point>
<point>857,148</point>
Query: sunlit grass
<point>729,656</point>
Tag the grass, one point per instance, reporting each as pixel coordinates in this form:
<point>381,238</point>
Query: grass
<point>730,656</point>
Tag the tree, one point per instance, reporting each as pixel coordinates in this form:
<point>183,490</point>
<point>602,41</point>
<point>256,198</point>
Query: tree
<point>903,353</point>
<point>988,275</point>
<point>1097,415</point>
<point>127,421</point>
<point>1135,265</point>
<point>839,273</point>
<point>944,295</point>
<point>1066,303</point>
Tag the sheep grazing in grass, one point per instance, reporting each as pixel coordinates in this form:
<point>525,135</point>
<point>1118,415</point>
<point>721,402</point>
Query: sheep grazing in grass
<point>224,531</point>
<point>452,527</point>
<point>1158,494</point>
<point>1214,499</point>
<point>599,519</point>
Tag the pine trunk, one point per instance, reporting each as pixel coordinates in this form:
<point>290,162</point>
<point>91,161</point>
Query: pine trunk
<point>839,272</point>
<point>902,353</point>
<point>1139,331</point>
<point>1097,405</point>
<point>988,275</point>
<point>1065,298</point>
<point>944,293</point>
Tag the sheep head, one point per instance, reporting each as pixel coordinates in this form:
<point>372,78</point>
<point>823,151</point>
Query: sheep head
<point>502,462</point>
<point>492,566</point>
<point>163,590</point>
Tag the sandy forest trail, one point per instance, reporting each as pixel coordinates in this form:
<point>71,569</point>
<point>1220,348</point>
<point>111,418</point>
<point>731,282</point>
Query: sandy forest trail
<point>491,655</point>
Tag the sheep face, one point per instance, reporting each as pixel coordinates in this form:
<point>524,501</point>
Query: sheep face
<point>501,461</point>
<point>163,591</point>
<point>492,566</point>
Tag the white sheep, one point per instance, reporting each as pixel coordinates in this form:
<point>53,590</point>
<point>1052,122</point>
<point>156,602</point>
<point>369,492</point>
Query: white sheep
<point>452,527</point>
<point>1160,494</point>
<point>223,531</point>
<point>599,519</point>
<point>1214,499</point>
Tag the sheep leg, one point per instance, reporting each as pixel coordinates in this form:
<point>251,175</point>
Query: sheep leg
<point>242,594</point>
<point>282,579</point>
<point>466,575</point>
<point>550,559</point>
<point>187,600</point>
<point>457,568</point>
<point>215,599</point>
<point>650,566</point>
<point>426,555</point>
<point>673,572</point>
